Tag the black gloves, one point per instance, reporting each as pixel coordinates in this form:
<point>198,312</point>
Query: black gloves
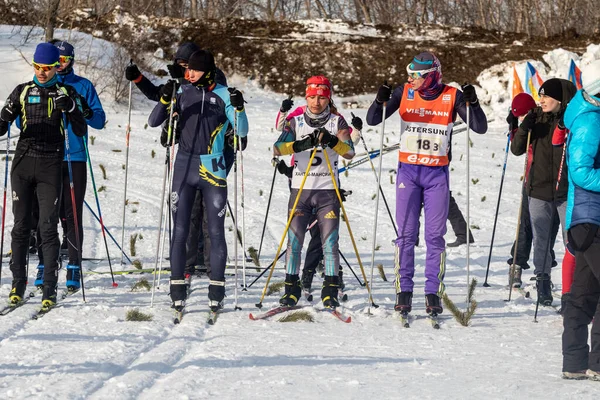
<point>513,122</point>
<point>64,103</point>
<point>87,112</point>
<point>528,122</point>
<point>3,127</point>
<point>230,142</point>
<point>176,71</point>
<point>469,94</point>
<point>356,122</point>
<point>132,72</point>
<point>166,90</point>
<point>384,93</point>
<point>236,99</point>
<point>7,114</point>
<point>287,104</point>
<point>327,139</point>
<point>284,169</point>
<point>308,142</point>
<point>561,120</point>
<point>164,135</point>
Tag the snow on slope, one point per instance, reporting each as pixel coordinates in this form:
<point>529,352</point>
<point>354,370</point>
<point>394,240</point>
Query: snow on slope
<point>88,350</point>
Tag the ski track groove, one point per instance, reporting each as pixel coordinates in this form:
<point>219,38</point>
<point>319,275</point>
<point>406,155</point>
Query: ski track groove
<point>150,364</point>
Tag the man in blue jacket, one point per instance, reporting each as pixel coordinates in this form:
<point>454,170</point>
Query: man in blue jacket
<point>95,117</point>
<point>582,119</point>
<point>206,110</point>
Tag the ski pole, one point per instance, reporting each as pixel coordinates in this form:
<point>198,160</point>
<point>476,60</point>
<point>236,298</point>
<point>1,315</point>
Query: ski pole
<point>287,226</point>
<point>127,133</point>
<point>513,266</point>
<point>487,271</point>
<point>87,152</point>
<point>548,243</point>
<point>236,233</point>
<point>4,200</point>
<point>171,138</point>
<point>468,179</point>
<point>352,270</point>
<point>379,185</point>
<point>241,151</point>
<point>239,237</point>
<point>337,191</point>
<point>378,190</point>
<point>267,269</point>
<point>262,235</point>
<point>73,203</point>
<point>107,232</point>
<point>160,225</point>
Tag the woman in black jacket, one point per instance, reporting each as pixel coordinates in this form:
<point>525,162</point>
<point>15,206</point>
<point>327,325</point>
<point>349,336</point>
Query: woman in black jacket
<point>546,184</point>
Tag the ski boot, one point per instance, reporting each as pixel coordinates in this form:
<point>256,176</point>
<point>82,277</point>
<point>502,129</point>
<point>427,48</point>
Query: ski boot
<point>577,376</point>
<point>307,278</point>
<point>403,302</point>
<point>48,296</point>
<point>216,294</point>
<point>18,291</point>
<point>517,272</point>
<point>178,293</point>
<point>329,293</point>
<point>433,305</point>
<point>73,278</point>
<point>293,291</point>
<point>544,289</point>
<point>39,278</point>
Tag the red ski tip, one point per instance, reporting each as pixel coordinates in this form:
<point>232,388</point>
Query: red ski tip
<point>115,284</point>
<point>251,316</point>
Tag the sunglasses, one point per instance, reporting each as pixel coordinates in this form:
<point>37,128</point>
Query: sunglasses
<point>44,67</point>
<point>64,59</point>
<point>419,74</point>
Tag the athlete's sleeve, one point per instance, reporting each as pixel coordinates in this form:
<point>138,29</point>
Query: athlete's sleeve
<point>344,147</point>
<point>376,110</point>
<point>149,89</point>
<point>160,113</point>
<point>242,119</point>
<point>477,118</point>
<point>99,118</point>
<point>284,145</point>
<point>75,117</point>
<point>11,110</point>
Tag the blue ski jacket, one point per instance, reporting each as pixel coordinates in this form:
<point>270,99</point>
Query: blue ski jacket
<point>85,89</point>
<point>582,119</point>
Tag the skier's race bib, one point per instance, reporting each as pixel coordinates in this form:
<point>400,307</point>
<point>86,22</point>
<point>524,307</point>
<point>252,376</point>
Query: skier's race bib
<point>319,176</point>
<point>426,127</point>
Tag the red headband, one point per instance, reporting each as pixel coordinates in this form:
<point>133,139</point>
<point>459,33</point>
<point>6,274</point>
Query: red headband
<point>318,86</point>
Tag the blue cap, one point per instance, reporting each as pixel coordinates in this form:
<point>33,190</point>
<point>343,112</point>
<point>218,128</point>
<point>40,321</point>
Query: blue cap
<point>65,49</point>
<point>46,53</point>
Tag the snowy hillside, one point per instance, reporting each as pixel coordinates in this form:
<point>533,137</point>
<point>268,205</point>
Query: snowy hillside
<point>89,351</point>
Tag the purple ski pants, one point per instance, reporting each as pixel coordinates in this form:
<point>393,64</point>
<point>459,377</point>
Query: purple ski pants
<point>415,185</point>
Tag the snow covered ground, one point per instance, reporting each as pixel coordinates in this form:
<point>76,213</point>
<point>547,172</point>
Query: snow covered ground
<point>88,350</point>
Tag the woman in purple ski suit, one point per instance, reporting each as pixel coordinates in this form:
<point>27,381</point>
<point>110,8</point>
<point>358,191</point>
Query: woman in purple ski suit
<point>427,109</point>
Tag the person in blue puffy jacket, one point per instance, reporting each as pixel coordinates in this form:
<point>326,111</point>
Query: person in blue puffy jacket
<point>95,118</point>
<point>582,119</point>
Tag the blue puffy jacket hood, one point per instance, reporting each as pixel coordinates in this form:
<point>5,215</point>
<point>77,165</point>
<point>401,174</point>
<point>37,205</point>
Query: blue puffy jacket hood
<point>582,119</point>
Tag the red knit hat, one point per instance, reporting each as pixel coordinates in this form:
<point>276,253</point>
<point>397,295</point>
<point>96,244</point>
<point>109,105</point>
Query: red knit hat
<point>521,104</point>
<point>318,86</point>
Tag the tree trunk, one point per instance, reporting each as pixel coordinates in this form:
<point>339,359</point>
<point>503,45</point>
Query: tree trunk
<point>53,6</point>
